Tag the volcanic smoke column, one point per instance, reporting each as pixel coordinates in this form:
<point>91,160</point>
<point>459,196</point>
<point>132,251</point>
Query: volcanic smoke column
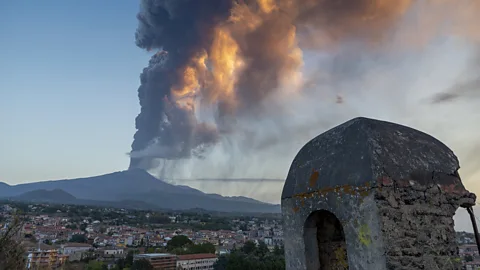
<point>166,126</point>
<point>232,56</point>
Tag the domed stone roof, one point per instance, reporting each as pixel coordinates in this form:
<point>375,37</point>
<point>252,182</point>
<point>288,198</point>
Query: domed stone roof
<point>363,150</point>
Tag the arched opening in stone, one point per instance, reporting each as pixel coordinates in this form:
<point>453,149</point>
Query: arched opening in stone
<point>325,246</point>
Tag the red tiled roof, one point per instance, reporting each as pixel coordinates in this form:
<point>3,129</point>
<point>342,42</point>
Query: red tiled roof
<point>196,256</point>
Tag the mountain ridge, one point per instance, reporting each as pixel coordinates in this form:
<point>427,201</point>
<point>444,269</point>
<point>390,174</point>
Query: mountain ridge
<point>138,185</point>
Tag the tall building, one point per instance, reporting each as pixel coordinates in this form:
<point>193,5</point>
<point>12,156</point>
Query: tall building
<point>196,261</point>
<point>162,261</point>
<point>49,259</point>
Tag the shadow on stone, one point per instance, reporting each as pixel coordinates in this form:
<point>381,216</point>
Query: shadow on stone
<point>325,238</point>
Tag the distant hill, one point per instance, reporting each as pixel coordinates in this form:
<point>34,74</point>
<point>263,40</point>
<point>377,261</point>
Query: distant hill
<point>59,196</point>
<point>132,187</point>
<point>43,195</point>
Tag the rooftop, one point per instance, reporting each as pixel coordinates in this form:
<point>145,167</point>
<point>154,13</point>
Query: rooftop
<point>361,150</point>
<point>153,255</point>
<point>196,256</point>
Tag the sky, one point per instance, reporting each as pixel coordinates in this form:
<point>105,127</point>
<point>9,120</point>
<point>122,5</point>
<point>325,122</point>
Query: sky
<point>68,88</point>
<point>68,101</point>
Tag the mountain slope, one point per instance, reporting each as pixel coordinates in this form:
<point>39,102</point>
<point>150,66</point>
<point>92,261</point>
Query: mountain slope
<point>111,186</point>
<point>43,195</point>
<point>139,186</point>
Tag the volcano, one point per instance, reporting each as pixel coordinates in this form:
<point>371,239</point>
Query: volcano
<point>139,186</point>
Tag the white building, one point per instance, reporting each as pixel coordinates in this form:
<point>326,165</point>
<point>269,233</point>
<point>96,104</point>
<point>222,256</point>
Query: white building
<point>71,248</point>
<point>114,252</point>
<point>196,261</point>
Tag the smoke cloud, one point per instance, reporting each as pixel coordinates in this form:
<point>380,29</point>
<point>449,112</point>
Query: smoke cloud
<point>241,85</point>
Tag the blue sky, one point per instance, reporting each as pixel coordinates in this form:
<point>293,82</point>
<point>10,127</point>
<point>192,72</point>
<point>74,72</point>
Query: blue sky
<point>69,78</point>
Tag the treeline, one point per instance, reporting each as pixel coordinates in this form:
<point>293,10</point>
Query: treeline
<point>142,218</point>
<point>251,256</point>
<point>181,245</point>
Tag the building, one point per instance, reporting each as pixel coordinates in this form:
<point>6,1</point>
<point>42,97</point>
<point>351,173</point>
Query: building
<point>475,265</point>
<point>49,259</point>
<point>196,261</point>
<point>113,253</point>
<point>71,248</point>
<point>162,261</point>
<point>468,250</point>
<point>375,195</point>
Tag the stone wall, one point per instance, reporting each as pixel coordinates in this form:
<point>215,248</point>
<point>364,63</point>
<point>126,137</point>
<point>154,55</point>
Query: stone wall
<point>417,224</point>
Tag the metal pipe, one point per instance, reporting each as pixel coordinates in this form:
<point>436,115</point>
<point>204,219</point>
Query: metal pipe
<point>474,224</point>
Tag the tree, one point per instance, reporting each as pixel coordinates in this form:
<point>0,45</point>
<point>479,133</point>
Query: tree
<point>262,249</point>
<point>121,263</point>
<point>129,258</point>
<point>78,238</point>
<point>178,241</point>
<point>96,265</point>
<point>279,250</point>
<point>71,226</point>
<point>141,264</point>
<point>249,247</point>
<point>252,257</point>
<point>201,248</point>
<point>11,249</point>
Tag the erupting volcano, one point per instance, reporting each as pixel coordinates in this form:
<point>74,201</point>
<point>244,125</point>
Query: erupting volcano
<point>219,61</point>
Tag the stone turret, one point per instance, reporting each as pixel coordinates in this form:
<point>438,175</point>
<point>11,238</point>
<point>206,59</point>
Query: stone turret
<point>370,195</point>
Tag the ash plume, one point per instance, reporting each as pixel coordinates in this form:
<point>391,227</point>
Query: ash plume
<point>241,85</point>
<point>232,55</point>
<point>180,29</point>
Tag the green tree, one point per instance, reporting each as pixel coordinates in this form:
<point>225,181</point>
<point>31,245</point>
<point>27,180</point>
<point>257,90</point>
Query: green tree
<point>201,248</point>
<point>249,247</point>
<point>71,226</point>
<point>96,265</point>
<point>78,238</point>
<point>279,250</point>
<point>251,257</point>
<point>262,249</point>
<point>178,241</point>
<point>129,258</point>
<point>121,264</point>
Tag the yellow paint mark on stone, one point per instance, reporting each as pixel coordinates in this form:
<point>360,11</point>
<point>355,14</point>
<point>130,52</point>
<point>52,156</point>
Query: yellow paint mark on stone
<point>364,235</point>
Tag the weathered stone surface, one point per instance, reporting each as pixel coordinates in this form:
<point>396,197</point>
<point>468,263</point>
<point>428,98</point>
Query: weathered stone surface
<point>361,150</point>
<point>394,189</point>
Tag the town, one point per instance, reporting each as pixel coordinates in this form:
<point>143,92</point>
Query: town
<point>87,237</point>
